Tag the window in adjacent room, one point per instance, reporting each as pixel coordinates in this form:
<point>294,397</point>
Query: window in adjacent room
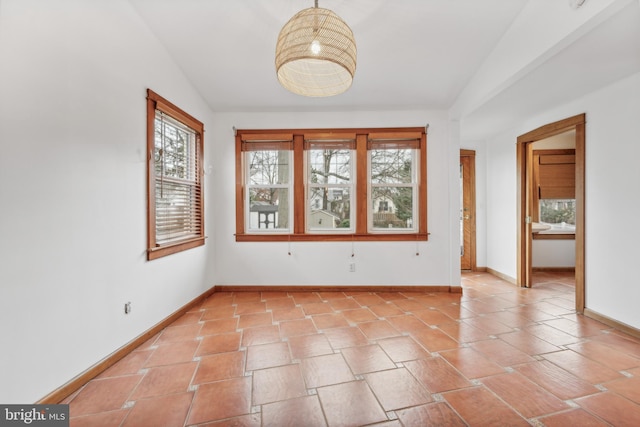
<point>175,199</point>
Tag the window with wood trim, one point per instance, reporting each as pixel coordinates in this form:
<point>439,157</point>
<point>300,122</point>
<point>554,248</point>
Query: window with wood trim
<point>554,191</point>
<point>175,205</point>
<point>331,184</point>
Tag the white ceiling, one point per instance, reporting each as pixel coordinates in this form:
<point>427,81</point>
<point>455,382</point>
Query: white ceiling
<point>411,54</point>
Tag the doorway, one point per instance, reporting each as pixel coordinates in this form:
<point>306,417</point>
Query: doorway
<point>467,210</point>
<point>524,155</point>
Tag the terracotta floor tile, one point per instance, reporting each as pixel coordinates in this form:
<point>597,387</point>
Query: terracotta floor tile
<point>188,318</point>
<point>267,356</point>
<point>301,411</point>
<point>344,304</point>
<point>359,315</point>
<point>222,366</point>
<point>222,399</point>
<point>171,353</point>
<point>368,358</point>
<point>552,335</point>
<point>463,332</point>
<point>610,357</point>
<point>168,410</point>
<point>103,395</point>
<point>479,407</point>
<point>305,297</point>
<point>432,316</point>
<point>250,296</point>
<point>345,337</point>
<point>260,335</point>
<point>612,408</point>
<point>275,384</point>
<point>292,328</point>
<point>434,339</point>
<point>350,404</point>
<point>378,329</point>
<point>367,300</point>
<point>109,418</point>
<point>407,323</point>
<point>471,363</point>
<point>437,375</point>
<point>331,295</point>
<point>179,333</point>
<point>255,319</point>
<point>219,326</point>
<point>273,295</point>
<point>282,314</point>
<point>402,349</point>
<point>128,365</point>
<point>626,387</point>
<point>222,343</point>
<point>556,380</point>
<point>582,367</point>
<point>316,308</point>
<point>501,352</point>
<point>303,346</point>
<point>280,303</point>
<point>573,328</point>
<point>528,343</point>
<point>250,307</point>
<point>224,312</point>
<point>386,310</point>
<point>524,396</point>
<point>489,325</point>
<point>397,388</point>
<point>391,296</point>
<point>432,414</point>
<point>575,417</point>
<point>409,305</point>
<point>248,420</point>
<point>325,370</point>
<point>329,321</point>
<point>163,380</point>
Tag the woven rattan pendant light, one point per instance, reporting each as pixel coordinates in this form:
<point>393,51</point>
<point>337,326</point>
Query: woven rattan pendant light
<point>316,53</point>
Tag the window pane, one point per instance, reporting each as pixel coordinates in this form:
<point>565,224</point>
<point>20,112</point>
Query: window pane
<point>329,208</point>
<point>557,211</point>
<point>269,208</point>
<point>174,150</point>
<point>177,210</point>
<point>392,166</point>
<point>330,166</point>
<point>268,167</point>
<point>392,207</point>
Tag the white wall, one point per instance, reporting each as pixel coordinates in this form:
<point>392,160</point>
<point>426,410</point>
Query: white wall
<point>327,263</point>
<point>73,79</point>
<point>612,176</point>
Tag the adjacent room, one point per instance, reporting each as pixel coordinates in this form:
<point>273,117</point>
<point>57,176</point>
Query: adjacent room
<point>184,221</point>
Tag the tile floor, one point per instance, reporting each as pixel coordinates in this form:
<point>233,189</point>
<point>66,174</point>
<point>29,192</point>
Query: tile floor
<point>497,355</point>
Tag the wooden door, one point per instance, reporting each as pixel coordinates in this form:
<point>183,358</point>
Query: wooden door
<point>467,210</point>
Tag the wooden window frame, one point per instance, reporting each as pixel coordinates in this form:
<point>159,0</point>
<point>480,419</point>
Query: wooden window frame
<point>361,230</point>
<point>156,250</point>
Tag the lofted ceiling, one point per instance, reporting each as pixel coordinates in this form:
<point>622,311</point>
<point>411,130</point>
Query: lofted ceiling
<point>411,54</point>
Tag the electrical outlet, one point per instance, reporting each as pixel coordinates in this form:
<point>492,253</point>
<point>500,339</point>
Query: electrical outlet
<point>352,267</point>
<point>127,307</point>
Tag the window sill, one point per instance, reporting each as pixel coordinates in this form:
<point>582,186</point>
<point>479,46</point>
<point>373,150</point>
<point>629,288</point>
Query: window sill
<point>168,249</point>
<point>382,237</point>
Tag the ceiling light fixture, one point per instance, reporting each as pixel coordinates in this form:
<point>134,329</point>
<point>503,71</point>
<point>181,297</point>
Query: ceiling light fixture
<point>316,53</point>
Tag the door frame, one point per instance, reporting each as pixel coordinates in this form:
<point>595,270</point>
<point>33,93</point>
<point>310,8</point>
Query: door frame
<point>471,154</point>
<point>524,168</point>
